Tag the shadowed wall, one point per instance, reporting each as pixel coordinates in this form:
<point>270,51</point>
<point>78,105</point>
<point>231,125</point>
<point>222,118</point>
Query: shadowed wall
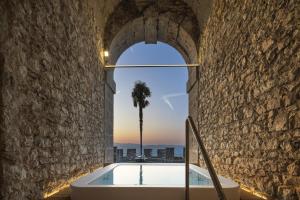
<point>51,96</point>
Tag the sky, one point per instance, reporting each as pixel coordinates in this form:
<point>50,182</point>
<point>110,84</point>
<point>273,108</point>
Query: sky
<point>164,118</point>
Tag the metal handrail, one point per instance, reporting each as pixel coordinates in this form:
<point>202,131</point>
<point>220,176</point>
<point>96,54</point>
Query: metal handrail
<point>190,123</point>
<point>151,65</point>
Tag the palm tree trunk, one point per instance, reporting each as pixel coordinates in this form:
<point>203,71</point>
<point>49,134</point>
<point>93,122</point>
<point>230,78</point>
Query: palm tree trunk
<point>141,129</point>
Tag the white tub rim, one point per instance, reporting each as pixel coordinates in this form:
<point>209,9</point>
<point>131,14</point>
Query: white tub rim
<point>84,181</point>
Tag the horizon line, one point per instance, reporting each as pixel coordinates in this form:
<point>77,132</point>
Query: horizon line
<point>148,144</point>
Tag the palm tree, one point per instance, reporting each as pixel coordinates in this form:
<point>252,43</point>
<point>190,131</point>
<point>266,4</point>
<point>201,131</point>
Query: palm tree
<point>139,95</point>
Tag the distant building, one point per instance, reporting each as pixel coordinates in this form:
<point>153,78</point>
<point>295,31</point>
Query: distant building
<point>148,153</point>
<point>152,154</point>
<point>170,154</point>
<point>115,154</point>
<point>119,155</point>
<point>131,154</point>
<point>161,154</point>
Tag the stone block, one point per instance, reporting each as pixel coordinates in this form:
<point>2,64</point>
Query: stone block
<point>294,168</point>
<point>280,121</point>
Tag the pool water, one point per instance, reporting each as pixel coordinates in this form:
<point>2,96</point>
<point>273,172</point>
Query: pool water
<point>150,175</point>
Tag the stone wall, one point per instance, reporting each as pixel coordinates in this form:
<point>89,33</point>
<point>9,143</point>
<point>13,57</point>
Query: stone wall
<point>172,22</point>
<point>110,90</point>
<point>249,94</point>
<point>245,103</point>
<point>52,95</point>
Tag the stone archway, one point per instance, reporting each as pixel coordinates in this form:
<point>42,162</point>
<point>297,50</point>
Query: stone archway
<point>151,22</point>
<point>130,22</point>
<point>54,87</point>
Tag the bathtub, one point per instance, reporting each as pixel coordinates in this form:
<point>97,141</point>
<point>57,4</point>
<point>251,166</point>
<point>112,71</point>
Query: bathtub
<point>149,181</point>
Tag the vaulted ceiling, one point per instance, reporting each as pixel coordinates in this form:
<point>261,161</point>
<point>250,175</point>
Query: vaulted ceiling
<point>176,22</point>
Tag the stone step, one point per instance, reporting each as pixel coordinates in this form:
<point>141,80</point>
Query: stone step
<point>65,195</point>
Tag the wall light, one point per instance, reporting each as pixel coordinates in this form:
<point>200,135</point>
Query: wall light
<point>62,187</point>
<point>67,183</point>
<point>106,53</point>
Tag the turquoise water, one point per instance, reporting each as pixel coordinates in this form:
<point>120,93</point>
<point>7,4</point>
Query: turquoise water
<point>171,175</point>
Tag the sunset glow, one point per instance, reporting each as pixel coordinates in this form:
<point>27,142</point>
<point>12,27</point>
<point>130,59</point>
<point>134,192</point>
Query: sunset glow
<point>164,117</point>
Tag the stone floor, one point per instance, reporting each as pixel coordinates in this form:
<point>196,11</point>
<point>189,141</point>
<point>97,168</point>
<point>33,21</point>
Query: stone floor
<point>65,195</point>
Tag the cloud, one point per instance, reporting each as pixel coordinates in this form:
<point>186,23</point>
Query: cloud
<point>117,92</point>
<point>166,98</point>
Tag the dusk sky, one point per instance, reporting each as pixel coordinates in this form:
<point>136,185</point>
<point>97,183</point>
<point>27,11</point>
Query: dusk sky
<point>165,116</point>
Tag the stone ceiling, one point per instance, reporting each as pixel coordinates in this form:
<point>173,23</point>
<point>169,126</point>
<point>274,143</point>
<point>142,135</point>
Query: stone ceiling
<point>177,22</point>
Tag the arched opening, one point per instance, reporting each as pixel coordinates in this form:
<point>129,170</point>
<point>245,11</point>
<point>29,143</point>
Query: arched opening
<point>168,109</point>
<point>55,115</point>
<point>173,35</point>
<point>132,22</point>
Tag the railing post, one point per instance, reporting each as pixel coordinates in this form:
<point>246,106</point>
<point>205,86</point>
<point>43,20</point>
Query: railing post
<point>187,160</point>
<point>208,163</point>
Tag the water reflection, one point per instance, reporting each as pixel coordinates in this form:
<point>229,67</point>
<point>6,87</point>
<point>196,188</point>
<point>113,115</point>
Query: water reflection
<point>150,175</point>
<point>141,174</point>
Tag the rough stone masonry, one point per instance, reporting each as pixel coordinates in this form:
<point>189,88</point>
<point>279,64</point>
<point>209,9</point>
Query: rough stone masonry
<point>249,94</point>
<point>56,113</point>
<point>51,96</point>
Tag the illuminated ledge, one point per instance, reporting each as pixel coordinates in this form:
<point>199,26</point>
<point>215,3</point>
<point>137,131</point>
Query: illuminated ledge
<point>60,190</point>
<point>249,194</point>
<point>63,190</point>
<point>64,194</point>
